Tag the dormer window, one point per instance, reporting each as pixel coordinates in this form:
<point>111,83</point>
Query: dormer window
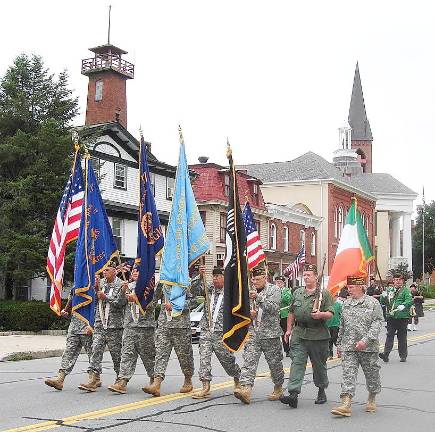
<point>227,185</point>
<point>255,192</point>
<point>98,90</point>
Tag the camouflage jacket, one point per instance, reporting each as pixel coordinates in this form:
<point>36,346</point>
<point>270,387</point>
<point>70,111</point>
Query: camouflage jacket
<point>267,304</point>
<point>216,315</point>
<point>182,321</point>
<point>143,321</point>
<point>361,320</point>
<point>76,326</point>
<point>115,302</point>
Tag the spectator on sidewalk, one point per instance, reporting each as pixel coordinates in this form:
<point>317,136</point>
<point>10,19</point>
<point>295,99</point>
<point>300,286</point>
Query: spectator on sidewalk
<point>416,311</point>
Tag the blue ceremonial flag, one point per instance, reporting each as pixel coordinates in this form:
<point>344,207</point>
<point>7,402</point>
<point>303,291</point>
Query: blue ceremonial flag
<point>150,235</point>
<point>95,248</point>
<point>186,239</point>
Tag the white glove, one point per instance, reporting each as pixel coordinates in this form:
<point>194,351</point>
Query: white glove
<point>400,307</point>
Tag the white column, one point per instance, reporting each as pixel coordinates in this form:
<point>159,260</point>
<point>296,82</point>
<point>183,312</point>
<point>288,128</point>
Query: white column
<point>395,235</point>
<point>407,239</point>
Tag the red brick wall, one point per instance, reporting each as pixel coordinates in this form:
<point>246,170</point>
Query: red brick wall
<point>294,239</point>
<point>114,99</point>
<point>209,185</point>
<point>338,196</point>
<point>366,147</point>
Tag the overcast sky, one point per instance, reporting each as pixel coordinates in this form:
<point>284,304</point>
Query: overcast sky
<point>274,76</point>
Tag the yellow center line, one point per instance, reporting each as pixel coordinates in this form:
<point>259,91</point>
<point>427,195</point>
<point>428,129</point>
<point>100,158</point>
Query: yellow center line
<point>105,412</point>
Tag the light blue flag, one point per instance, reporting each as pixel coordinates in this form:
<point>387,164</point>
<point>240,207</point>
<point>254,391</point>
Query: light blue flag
<point>185,240</point>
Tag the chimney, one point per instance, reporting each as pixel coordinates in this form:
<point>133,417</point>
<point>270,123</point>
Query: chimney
<point>203,159</point>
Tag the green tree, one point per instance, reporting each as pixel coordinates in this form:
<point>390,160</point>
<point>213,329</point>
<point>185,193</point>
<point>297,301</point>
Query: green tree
<point>429,241</point>
<point>36,109</point>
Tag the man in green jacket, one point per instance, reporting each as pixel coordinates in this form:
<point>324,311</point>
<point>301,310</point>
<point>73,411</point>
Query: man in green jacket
<point>398,301</point>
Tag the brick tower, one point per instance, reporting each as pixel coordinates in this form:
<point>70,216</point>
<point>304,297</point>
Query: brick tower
<point>108,73</point>
<point>362,138</point>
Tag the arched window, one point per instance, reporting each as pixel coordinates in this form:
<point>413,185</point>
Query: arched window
<point>272,237</point>
<point>285,235</point>
<point>340,221</point>
<point>313,244</point>
<point>335,222</point>
<point>302,237</point>
<point>363,220</point>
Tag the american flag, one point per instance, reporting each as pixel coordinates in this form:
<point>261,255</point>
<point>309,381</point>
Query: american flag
<point>66,229</point>
<point>293,269</point>
<point>254,248</point>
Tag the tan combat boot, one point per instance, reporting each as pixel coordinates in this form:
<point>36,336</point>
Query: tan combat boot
<point>91,385</point>
<point>57,382</point>
<point>98,382</point>
<point>236,383</point>
<point>345,409</point>
<point>120,386</point>
<point>154,387</point>
<point>371,403</point>
<point>278,391</point>
<point>187,387</point>
<point>202,394</point>
<point>244,394</point>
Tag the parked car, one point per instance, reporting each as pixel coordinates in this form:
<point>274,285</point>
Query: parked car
<point>195,318</point>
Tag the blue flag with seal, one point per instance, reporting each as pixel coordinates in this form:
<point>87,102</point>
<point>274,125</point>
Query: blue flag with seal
<point>95,248</point>
<point>186,240</point>
<point>150,236</point>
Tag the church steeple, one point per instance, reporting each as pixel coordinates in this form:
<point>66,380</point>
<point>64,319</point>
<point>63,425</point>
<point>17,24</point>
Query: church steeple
<point>361,132</point>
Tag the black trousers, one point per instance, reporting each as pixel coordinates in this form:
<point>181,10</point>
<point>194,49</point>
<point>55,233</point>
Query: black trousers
<point>399,327</point>
<point>285,345</point>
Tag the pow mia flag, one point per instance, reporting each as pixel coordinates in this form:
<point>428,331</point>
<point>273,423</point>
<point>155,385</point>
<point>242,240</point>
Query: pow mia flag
<point>236,312</point>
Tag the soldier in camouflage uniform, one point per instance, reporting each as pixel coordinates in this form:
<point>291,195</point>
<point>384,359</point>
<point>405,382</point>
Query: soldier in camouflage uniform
<point>264,337</point>
<point>79,336</point>
<point>108,328</point>
<point>211,338</point>
<point>137,339</point>
<point>358,343</point>
<point>174,332</point>
<point>309,337</point>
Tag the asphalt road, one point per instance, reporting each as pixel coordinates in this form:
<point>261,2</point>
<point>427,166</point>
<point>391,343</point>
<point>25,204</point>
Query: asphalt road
<point>406,402</point>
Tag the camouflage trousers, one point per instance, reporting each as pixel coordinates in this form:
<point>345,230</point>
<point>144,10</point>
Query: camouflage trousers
<point>212,342</point>
<point>272,350</point>
<point>181,340</point>
<point>137,341</point>
<point>113,339</point>
<point>73,347</point>
<point>350,362</point>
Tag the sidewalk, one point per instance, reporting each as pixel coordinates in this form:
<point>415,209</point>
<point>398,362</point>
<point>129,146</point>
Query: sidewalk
<point>27,347</point>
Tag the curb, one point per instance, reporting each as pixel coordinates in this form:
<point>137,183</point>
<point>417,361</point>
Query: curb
<point>29,333</point>
<point>30,355</point>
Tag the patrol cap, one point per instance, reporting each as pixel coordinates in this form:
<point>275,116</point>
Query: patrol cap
<point>217,271</point>
<point>310,267</point>
<point>258,271</point>
<point>111,264</point>
<point>356,280</point>
<point>280,278</point>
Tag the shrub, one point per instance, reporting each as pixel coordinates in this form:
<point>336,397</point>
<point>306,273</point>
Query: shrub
<point>29,316</point>
<point>428,291</point>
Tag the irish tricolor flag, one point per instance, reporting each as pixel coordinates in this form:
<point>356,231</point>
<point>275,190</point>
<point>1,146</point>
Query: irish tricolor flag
<point>353,252</point>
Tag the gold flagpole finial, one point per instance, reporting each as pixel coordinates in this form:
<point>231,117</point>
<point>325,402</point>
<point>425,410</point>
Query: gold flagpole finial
<point>229,151</point>
<point>140,131</point>
<point>180,133</point>
<point>75,140</point>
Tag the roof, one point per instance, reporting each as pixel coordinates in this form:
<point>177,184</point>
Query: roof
<point>358,120</point>
<point>311,166</point>
<point>104,49</point>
